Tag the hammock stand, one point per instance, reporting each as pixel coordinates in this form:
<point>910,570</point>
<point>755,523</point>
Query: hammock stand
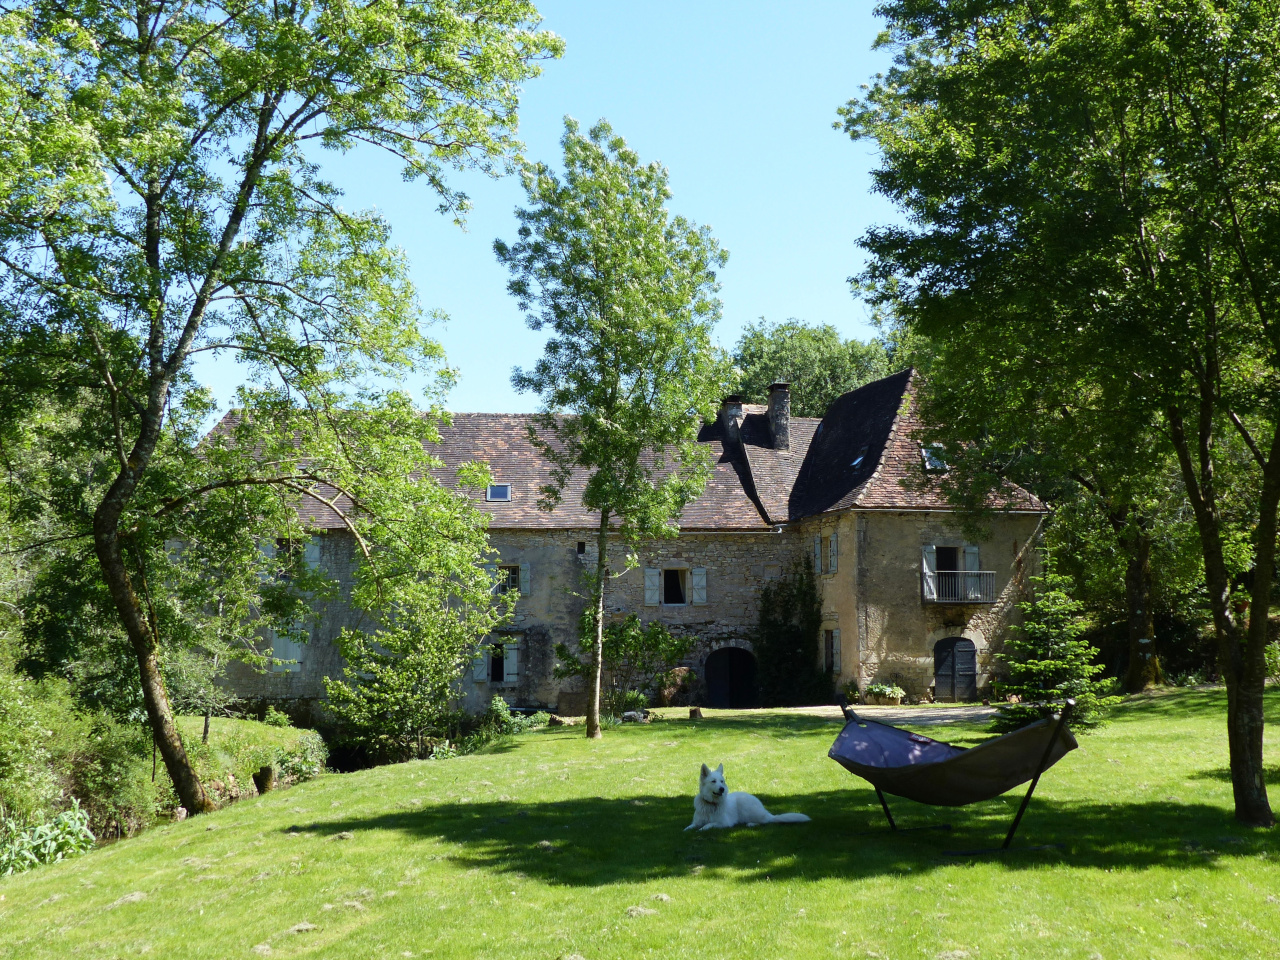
<point>929,771</point>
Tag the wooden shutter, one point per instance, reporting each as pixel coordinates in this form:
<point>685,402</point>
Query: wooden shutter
<point>929,571</point>
<point>282,648</point>
<point>480,666</point>
<point>817,554</point>
<point>511,660</point>
<point>698,585</point>
<point>492,570</point>
<point>311,553</point>
<point>524,580</point>
<point>652,586</point>
<point>973,585</point>
<point>833,551</point>
<point>835,650</point>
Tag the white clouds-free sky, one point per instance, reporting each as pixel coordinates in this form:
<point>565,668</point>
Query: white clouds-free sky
<point>736,99</point>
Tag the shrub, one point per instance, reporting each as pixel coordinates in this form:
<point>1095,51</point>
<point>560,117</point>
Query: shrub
<point>1049,662</point>
<point>22,848</point>
<point>885,690</point>
<point>618,702</point>
<point>110,772</point>
<point>787,641</point>
<point>1272,653</point>
<point>275,718</point>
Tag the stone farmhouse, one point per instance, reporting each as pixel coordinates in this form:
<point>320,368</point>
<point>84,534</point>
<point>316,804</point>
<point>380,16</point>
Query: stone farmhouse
<point>905,597</point>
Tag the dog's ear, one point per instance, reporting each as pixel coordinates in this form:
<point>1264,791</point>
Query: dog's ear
<point>705,772</point>
<point>720,769</point>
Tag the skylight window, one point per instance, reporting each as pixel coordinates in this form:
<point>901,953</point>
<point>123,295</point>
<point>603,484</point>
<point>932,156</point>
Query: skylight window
<point>934,457</point>
<point>862,455</point>
<point>499,492</point>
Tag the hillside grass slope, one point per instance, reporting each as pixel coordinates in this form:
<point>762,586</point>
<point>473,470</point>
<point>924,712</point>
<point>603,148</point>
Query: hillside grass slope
<point>550,845</point>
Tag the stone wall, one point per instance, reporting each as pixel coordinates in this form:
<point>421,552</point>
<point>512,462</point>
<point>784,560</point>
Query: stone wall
<point>893,629</point>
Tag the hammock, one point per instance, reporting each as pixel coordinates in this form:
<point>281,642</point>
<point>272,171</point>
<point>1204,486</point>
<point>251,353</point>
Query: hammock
<point>928,771</point>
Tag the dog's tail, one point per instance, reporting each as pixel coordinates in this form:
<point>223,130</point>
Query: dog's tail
<point>790,818</point>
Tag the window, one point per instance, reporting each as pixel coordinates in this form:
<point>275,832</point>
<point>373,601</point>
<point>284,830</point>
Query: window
<point>817,553</point>
<point>582,548</point>
<point>862,455</point>
<point>934,457</point>
<point>508,579</point>
<point>286,654</point>
<point>953,574</point>
<point>498,492</point>
<point>499,661</point>
<point>673,586</point>
<point>833,551</point>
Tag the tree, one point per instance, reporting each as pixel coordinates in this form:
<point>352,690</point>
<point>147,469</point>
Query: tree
<point>628,292</point>
<point>815,360</point>
<point>1092,181</point>
<point>1049,662</point>
<point>159,198</point>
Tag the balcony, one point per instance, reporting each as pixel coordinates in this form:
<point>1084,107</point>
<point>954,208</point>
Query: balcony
<point>959,586</point>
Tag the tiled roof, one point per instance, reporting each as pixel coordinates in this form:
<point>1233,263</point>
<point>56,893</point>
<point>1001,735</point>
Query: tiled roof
<point>865,455</point>
<point>862,454</point>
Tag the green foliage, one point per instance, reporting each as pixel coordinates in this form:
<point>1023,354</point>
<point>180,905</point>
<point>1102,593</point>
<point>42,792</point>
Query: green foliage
<point>787,641</point>
<point>276,718</point>
<point>884,690</point>
<point>637,659</point>
<point>160,197</point>
<point>237,749</point>
<point>628,293</point>
<point>1048,662</point>
<point>1273,661</point>
<point>22,848</point>
<point>818,363</point>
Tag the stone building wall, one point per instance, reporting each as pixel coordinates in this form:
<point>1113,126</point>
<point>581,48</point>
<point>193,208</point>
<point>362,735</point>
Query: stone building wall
<point>892,628</point>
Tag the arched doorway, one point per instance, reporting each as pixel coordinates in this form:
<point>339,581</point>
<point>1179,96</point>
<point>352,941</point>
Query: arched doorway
<point>731,678</point>
<point>955,670</point>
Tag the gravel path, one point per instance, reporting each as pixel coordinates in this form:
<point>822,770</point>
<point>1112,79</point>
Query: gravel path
<point>910,716</point>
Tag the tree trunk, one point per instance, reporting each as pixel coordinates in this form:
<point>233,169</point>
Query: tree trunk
<point>1244,680</point>
<point>1144,666</point>
<point>106,542</point>
<point>597,650</point>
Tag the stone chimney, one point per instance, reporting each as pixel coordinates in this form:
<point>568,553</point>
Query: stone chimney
<point>780,415</point>
<point>731,418</point>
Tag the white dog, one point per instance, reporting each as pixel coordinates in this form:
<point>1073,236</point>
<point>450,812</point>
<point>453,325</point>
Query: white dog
<point>714,806</point>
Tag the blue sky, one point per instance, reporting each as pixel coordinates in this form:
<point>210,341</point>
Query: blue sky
<point>736,99</point>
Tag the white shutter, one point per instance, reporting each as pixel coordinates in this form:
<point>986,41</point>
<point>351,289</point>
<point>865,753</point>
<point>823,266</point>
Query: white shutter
<point>311,553</point>
<point>973,585</point>
<point>698,585</point>
<point>652,582</point>
<point>524,580</point>
<point>480,666</point>
<point>492,570</point>
<point>929,569</point>
<point>510,661</point>
<point>832,554</point>
<point>284,649</point>
<point>817,554</point>
<point>835,651</point>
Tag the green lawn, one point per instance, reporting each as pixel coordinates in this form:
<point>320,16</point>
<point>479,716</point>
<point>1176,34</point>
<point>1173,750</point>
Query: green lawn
<point>551,846</point>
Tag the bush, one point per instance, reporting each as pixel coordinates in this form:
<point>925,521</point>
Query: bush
<point>618,702</point>
<point>1049,662</point>
<point>885,690</point>
<point>275,718</point>
<point>1272,653</point>
<point>22,848</point>
<point>787,641</point>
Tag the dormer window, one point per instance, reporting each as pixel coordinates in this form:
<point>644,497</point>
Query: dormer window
<point>934,457</point>
<point>498,493</point>
<point>862,455</point>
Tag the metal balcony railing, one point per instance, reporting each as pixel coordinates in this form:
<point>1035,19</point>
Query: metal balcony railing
<point>959,586</point>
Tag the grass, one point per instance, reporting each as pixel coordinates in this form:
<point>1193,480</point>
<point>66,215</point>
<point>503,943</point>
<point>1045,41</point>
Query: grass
<point>540,847</point>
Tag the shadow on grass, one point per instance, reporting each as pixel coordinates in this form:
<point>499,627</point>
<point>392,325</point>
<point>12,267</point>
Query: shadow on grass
<point>593,841</point>
<point>1200,703</point>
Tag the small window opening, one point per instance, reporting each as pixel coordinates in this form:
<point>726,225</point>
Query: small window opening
<point>582,547</point>
<point>497,663</point>
<point>829,649</point>
<point>500,492</point>
<point>862,455</point>
<point>934,457</point>
<point>508,579</point>
<point>673,591</point>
